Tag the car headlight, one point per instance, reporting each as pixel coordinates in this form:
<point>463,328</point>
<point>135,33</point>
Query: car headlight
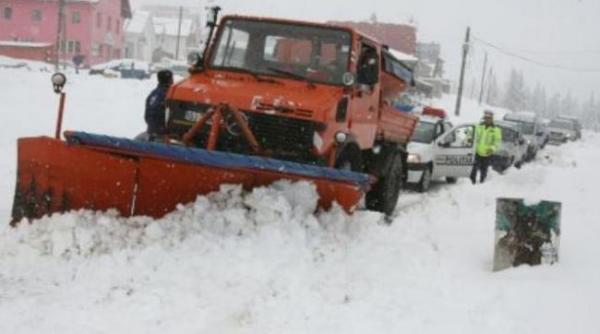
<point>413,158</point>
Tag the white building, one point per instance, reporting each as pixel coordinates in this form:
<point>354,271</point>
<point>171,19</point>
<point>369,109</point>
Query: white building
<point>167,32</point>
<point>140,37</point>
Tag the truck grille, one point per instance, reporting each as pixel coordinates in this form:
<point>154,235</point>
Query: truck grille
<point>286,137</point>
<point>282,133</point>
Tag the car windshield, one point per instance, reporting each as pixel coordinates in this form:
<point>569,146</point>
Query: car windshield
<point>424,133</point>
<point>283,49</point>
<point>527,128</point>
<point>560,124</point>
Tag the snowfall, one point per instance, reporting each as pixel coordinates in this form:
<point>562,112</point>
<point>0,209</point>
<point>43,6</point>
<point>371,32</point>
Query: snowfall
<point>265,262</point>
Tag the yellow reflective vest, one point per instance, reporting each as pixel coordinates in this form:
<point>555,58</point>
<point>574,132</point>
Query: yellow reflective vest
<point>487,139</point>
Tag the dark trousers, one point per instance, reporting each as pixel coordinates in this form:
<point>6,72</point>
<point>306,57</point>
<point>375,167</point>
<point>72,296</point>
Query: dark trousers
<point>482,164</point>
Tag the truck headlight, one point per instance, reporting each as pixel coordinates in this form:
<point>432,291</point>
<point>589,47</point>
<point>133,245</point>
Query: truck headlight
<point>413,158</point>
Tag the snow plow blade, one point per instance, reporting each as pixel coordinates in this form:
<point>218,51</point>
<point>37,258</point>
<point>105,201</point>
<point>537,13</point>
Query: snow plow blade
<point>150,179</point>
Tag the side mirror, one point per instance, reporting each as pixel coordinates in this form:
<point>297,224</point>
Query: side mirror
<point>196,62</point>
<point>348,79</point>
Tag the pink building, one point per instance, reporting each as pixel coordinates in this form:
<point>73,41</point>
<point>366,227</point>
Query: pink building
<point>94,28</point>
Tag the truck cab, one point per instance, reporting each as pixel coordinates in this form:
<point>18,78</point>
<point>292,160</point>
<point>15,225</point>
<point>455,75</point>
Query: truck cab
<point>439,150</point>
<point>306,92</point>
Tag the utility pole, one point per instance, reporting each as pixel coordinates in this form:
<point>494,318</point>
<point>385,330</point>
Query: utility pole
<point>179,32</point>
<point>489,87</point>
<point>485,60</point>
<point>462,71</point>
<point>60,33</point>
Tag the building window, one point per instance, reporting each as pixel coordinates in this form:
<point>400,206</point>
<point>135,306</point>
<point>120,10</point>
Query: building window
<point>76,17</point>
<point>36,15</point>
<point>99,20</point>
<point>109,23</point>
<point>7,13</point>
<point>70,46</point>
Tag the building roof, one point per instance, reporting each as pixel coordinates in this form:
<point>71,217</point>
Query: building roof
<point>169,26</point>
<point>137,23</point>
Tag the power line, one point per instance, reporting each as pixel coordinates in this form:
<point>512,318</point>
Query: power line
<point>534,61</point>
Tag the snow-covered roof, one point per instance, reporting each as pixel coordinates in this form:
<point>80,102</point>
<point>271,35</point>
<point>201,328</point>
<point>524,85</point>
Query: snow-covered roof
<point>137,23</point>
<point>169,26</point>
<point>25,44</point>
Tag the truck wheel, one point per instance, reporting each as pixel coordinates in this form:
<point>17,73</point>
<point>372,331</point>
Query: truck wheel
<point>425,182</point>
<point>350,159</point>
<point>384,195</point>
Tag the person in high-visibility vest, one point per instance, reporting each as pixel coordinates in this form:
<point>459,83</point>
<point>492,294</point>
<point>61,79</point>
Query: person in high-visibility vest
<point>488,138</point>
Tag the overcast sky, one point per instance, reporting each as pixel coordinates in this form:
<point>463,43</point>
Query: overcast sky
<point>560,32</point>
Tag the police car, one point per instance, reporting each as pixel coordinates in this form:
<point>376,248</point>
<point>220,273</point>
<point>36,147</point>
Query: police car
<point>439,150</point>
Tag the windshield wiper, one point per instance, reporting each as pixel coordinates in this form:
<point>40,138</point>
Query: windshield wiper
<point>292,75</point>
<point>256,76</point>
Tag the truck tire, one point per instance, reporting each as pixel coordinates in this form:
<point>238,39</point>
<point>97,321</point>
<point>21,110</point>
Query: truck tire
<point>425,182</point>
<point>383,197</point>
<point>350,159</point>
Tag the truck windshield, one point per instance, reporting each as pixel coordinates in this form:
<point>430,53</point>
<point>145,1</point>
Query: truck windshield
<point>424,133</point>
<point>282,49</point>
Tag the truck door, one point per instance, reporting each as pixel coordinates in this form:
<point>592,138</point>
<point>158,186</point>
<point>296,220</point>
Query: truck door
<point>364,105</point>
<point>455,152</point>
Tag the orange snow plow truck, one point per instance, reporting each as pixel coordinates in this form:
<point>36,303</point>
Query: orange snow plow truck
<point>268,100</point>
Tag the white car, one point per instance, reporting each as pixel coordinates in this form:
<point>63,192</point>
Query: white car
<point>437,150</point>
<point>513,150</point>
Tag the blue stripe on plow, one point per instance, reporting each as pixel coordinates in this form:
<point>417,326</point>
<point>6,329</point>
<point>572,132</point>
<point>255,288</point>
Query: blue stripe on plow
<point>217,159</point>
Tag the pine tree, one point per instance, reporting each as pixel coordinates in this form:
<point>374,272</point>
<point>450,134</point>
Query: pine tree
<point>515,97</point>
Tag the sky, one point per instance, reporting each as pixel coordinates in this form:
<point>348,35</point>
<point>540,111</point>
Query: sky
<point>561,33</point>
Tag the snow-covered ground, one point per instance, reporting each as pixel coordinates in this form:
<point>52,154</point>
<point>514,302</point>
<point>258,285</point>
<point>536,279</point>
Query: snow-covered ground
<point>264,263</point>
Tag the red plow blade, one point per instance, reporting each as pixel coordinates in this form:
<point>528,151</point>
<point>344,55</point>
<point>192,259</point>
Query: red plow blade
<point>149,179</point>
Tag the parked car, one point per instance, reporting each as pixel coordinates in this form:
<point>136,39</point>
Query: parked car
<point>531,128</point>
<point>178,67</point>
<point>513,150</point>
<point>576,124</point>
<point>562,130</point>
<point>422,151</point>
<point>124,68</point>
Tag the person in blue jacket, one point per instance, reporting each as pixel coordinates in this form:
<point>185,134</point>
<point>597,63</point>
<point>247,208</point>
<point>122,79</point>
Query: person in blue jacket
<point>155,106</point>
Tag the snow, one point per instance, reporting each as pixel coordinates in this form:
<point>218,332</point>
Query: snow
<point>403,56</point>
<point>137,24</point>
<point>25,44</point>
<point>263,262</point>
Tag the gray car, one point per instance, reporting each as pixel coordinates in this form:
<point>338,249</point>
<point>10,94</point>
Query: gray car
<point>532,130</point>
<point>561,131</point>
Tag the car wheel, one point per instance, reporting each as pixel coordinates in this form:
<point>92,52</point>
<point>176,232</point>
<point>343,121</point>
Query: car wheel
<point>451,180</point>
